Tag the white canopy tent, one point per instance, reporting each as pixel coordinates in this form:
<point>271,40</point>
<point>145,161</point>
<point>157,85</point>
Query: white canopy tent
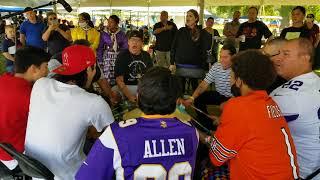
<point>106,3</point>
<point>155,3</point>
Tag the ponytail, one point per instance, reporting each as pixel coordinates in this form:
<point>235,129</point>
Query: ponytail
<point>90,23</point>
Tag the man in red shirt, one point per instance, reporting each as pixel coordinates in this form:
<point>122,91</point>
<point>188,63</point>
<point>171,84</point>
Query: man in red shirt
<point>30,64</point>
<point>253,135</point>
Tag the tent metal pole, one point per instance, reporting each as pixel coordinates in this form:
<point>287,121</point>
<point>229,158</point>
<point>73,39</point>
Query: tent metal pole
<point>79,5</point>
<point>110,3</point>
<point>130,21</point>
<point>55,7</point>
<point>138,14</point>
<point>201,14</point>
<point>149,2</point>
<point>261,8</point>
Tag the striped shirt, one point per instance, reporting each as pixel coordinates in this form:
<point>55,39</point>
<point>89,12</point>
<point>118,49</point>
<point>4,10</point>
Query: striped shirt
<point>221,79</point>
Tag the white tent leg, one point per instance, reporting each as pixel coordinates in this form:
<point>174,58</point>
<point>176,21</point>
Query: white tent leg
<point>55,8</point>
<point>110,3</point>
<point>79,5</point>
<point>138,16</point>
<point>149,2</point>
<point>201,13</point>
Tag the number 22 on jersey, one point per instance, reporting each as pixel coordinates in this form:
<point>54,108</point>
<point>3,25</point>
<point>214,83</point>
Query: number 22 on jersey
<point>294,85</point>
<point>158,172</point>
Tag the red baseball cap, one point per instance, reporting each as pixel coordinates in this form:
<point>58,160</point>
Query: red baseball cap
<point>75,59</point>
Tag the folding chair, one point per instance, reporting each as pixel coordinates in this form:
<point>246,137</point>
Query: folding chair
<point>28,165</point>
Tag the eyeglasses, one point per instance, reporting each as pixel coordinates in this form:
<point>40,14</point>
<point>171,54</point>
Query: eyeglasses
<point>52,18</point>
<point>271,55</point>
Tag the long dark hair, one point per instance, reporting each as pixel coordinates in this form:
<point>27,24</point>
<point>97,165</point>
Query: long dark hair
<point>195,32</point>
<point>87,18</point>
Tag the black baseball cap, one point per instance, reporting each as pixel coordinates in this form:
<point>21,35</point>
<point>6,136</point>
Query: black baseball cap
<point>136,33</point>
<point>27,9</point>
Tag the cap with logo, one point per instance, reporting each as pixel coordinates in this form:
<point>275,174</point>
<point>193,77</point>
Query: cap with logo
<point>75,59</point>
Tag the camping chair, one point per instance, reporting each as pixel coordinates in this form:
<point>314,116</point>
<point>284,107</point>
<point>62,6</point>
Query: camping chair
<point>5,173</point>
<point>28,165</point>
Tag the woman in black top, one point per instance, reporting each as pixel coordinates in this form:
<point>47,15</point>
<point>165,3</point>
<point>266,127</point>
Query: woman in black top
<point>188,52</point>
<point>212,36</point>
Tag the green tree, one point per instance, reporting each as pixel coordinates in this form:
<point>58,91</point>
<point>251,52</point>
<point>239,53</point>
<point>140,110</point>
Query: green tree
<point>269,10</point>
<point>225,11</point>
<point>314,10</point>
<point>285,13</point>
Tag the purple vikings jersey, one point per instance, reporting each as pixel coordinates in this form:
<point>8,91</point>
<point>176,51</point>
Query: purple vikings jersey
<point>157,147</point>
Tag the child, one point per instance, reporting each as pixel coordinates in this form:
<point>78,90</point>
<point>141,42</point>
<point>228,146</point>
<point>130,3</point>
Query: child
<point>9,47</point>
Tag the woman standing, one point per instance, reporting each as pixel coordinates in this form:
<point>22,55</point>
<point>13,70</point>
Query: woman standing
<point>188,53</point>
<point>213,36</point>
<point>313,28</point>
<point>86,31</point>
<point>57,36</point>
<point>112,41</point>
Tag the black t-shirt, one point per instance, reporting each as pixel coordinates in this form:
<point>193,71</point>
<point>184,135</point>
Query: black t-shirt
<point>165,38</point>
<point>56,42</point>
<point>253,32</point>
<point>316,63</point>
<point>295,32</point>
<point>186,51</point>
<point>132,67</point>
<point>2,25</point>
<point>213,44</point>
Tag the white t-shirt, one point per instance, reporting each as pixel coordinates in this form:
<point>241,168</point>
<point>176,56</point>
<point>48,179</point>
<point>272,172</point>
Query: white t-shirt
<point>299,101</point>
<point>59,116</point>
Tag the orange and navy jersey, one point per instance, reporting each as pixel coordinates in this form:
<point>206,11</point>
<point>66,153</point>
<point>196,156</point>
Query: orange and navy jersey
<point>254,137</point>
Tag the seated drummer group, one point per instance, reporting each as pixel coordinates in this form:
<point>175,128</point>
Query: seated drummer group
<point>253,135</point>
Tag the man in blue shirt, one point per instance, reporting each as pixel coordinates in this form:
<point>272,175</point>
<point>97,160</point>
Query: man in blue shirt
<point>31,30</point>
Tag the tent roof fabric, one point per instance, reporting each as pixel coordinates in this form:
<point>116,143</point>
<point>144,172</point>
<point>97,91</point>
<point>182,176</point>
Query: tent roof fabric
<point>107,3</point>
<point>261,2</point>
